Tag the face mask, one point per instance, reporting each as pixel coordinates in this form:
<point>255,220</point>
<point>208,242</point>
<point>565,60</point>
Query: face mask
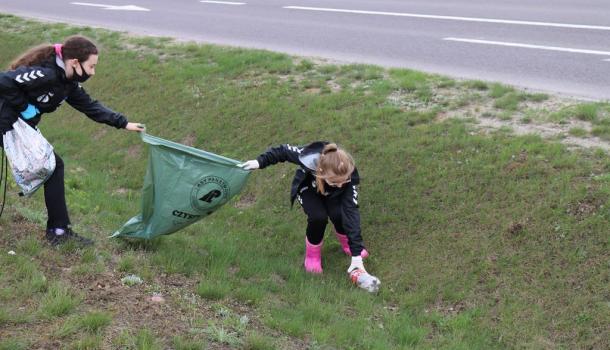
<point>80,78</point>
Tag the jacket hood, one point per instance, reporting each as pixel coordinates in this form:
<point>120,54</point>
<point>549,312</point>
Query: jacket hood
<point>310,155</point>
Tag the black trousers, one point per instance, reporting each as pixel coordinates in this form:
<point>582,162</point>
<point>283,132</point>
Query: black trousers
<point>319,209</point>
<point>55,197</point>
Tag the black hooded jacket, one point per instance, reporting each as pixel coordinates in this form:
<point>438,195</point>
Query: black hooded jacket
<point>307,158</point>
<point>46,87</point>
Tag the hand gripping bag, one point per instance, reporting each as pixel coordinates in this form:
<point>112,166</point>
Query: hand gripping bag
<point>182,186</point>
<point>30,156</point>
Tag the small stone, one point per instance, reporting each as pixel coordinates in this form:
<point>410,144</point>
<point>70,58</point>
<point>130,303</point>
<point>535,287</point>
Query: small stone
<point>157,298</point>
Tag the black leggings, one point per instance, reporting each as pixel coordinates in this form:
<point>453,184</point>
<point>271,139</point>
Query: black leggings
<point>319,209</point>
<point>55,197</point>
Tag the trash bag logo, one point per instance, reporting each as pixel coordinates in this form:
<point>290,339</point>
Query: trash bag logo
<point>209,192</point>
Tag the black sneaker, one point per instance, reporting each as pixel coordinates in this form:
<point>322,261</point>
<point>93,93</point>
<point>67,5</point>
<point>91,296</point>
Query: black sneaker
<point>57,236</point>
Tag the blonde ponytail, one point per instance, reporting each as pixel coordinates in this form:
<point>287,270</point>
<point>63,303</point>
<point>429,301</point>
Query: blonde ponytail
<point>334,161</point>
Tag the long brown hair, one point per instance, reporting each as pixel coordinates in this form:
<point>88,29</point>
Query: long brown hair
<point>334,162</point>
<point>75,46</point>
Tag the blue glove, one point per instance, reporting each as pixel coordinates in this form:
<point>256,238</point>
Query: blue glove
<point>30,112</point>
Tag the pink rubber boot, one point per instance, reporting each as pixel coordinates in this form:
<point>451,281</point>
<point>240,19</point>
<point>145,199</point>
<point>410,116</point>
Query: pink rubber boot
<point>345,245</point>
<point>313,257</point>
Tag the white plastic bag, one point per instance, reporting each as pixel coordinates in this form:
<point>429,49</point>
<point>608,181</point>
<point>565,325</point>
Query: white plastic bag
<point>30,155</point>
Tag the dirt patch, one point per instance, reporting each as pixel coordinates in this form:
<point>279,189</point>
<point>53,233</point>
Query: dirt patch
<point>531,117</point>
<point>121,191</point>
<point>17,228</point>
<point>189,140</point>
<point>584,208</point>
<point>447,308</point>
<point>515,228</point>
<point>245,201</point>
<point>546,130</point>
<point>100,133</point>
<point>134,152</point>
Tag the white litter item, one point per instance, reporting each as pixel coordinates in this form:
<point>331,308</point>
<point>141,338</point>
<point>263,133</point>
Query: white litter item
<point>364,280</point>
<point>30,156</point>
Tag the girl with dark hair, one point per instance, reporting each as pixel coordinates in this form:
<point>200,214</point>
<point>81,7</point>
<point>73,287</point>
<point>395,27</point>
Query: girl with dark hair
<point>325,184</point>
<point>38,82</point>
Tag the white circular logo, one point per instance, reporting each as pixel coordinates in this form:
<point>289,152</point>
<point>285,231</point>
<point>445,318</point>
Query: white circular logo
<point>209,192</point>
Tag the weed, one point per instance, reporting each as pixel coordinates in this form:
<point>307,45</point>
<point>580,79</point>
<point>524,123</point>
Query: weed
<point>221,335</point>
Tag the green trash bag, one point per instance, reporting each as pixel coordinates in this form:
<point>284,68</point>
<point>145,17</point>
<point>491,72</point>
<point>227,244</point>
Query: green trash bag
<point>182,185</point>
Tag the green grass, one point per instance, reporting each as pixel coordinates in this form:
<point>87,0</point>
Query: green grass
<point>498,90</point>
<point>481,241</point>
<point>127,263</point>
<point>598,113</point>
<point>213,288</point>
<point>185,344</point>
<point>587,112</point>
<point>578,132</point>
<point>259,342</point>
<point>509,101</point>
<point>13,344</point>
<point>538,97</point>
<point>58,301</point>
<point>88,342</point>
<point>142,339</point>
<point>409,80</point>
<point>477,84</point>
<point>92,322</point>
<point>601,131</point>
<point>21,284</point>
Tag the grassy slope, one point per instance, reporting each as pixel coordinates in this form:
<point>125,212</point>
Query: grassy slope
<point>481,241</point>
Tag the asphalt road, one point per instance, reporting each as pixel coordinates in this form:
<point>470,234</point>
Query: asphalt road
<point>550,45</point>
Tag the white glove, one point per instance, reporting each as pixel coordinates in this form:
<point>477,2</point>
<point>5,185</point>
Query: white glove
<point>250,165</point>
<point>356,264</point>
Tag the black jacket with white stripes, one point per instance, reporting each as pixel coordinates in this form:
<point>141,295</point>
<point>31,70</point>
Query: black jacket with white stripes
<point>46,87</point>
<point>307,158</point>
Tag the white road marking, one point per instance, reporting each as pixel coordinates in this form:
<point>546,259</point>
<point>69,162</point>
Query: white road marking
<point>529,46</point>
<point>607,60</point>
<point>222,2</point>
<point>112,7</point>
<point>454,18</point>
